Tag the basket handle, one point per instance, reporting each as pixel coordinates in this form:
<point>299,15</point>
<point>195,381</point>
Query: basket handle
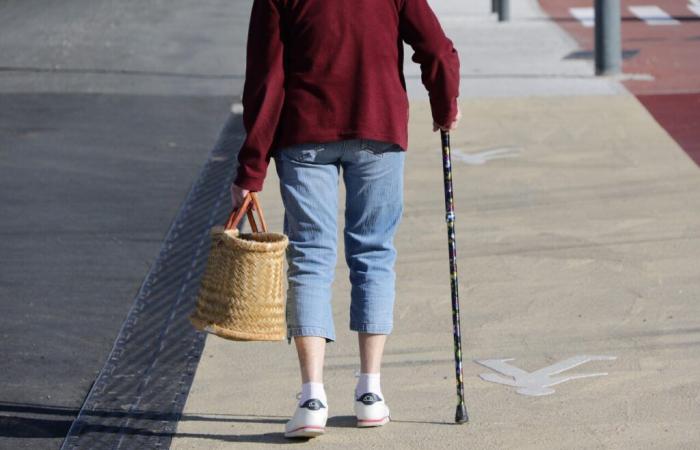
<point>249,201</point>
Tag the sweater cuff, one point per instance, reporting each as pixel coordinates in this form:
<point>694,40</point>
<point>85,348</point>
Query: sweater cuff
<point>253,184</point>
<point>443,114</point>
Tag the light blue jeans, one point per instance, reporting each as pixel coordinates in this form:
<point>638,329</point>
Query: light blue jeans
<point>309,177</point>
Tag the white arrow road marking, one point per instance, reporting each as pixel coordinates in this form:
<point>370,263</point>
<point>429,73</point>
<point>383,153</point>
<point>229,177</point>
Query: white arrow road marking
<point>585,15</point>
<point>539,381</point>
<point>478,158</point>
<point>653,15</point>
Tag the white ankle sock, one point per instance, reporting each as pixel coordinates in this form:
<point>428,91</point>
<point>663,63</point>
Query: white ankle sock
<point>368,382</point>
<point>312,390</point>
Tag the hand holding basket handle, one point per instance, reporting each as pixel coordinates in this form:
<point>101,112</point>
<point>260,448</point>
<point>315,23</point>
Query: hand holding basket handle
<point>241,295</point>
<point>250,201</point>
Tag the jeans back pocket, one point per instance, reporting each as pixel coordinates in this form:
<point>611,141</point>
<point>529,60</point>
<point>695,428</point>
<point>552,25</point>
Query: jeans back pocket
<point>307,152</point>
<point>378,148</point>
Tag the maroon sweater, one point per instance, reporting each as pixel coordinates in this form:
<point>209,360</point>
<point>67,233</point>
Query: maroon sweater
<point>328,70</point>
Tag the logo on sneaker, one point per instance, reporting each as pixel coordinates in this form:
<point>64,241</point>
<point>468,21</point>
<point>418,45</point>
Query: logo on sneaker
<point>369,398</point>
<point>313,404</point>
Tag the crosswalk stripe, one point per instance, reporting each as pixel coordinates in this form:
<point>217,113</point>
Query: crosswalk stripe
<point>585,15</point>
<point>653,15</point>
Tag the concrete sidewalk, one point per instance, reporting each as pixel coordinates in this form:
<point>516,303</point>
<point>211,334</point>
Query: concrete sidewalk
<point>583,241</point>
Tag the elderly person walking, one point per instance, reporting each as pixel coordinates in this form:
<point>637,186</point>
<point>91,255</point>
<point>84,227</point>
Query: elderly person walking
<point>325,90</point>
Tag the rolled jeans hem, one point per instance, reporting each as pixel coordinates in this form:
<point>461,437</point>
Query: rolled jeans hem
<point>375,328</point>
<point>310,331</point>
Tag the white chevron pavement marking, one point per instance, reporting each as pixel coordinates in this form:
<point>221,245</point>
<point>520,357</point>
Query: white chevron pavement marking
<point>694,6</point>
<point>585,15</point>
<point>653,15</point>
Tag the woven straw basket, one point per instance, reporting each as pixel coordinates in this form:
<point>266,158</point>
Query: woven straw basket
<point>241,294</point>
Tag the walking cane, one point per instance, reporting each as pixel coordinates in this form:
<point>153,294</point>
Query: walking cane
<point>461,414</point>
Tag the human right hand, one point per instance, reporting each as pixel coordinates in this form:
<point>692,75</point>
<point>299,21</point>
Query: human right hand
<point>452,126</point>
<point>237,195</point>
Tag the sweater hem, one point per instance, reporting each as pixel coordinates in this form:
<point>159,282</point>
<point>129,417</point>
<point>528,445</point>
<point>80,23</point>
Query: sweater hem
<point>340,136</point>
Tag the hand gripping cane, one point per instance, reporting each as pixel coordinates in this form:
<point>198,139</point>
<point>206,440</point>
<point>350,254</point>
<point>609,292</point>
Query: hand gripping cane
<point>461,414</point>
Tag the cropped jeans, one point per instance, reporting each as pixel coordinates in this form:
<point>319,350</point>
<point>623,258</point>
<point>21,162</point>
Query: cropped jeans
<point>309,177</point>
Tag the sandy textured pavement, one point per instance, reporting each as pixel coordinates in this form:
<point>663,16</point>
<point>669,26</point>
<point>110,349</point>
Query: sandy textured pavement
<point>584,243</point>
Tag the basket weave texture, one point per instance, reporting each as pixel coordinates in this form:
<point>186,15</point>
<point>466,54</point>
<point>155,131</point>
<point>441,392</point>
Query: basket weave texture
<point>241,295</point>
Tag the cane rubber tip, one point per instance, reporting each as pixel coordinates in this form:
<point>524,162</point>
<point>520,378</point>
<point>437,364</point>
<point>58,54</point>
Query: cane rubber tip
<point>461,414</point>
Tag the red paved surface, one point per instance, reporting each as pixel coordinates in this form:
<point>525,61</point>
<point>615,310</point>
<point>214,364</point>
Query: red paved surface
<point>679,114</point>
<point>670,53</point>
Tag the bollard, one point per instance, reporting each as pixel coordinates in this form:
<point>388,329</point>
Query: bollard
<point>503,10</point>
<point>608,52</point>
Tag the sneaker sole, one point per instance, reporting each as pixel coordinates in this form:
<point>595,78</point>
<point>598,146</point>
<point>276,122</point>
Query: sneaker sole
<point>305,432</point>
<point>372,422</point>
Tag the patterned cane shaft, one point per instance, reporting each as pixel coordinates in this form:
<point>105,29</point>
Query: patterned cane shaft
<point>452,247</point>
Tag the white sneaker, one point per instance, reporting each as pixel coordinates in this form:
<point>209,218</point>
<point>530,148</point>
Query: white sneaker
<point>309,420</point>
<point>371,410</point>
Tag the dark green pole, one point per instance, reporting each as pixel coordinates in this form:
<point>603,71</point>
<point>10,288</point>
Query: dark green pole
<point>608,53</point>
<point>503,10</point>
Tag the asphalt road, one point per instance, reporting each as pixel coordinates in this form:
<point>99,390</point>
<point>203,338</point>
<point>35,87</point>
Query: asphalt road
<point>108,111</point>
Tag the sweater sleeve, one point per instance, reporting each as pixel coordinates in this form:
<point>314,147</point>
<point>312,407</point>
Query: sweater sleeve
<point>438,59</point>
<point>263,93</point>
